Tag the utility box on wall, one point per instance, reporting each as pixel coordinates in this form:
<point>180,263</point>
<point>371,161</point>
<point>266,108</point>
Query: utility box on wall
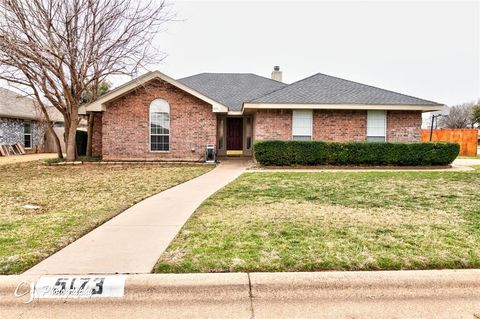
<point>210,155</point>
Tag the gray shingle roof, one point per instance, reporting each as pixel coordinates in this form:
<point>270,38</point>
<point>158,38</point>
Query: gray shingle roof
<point>14,105</point>
<point>231,89</point>
<point>325,89</point>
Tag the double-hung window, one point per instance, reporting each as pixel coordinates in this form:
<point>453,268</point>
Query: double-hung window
<point>302,125</point>
<point>376,126</point>
<point>27,134</point>
<point>159,126</point>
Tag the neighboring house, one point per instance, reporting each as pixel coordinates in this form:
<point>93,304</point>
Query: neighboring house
<point>155,117</point>
<point>21,122</point>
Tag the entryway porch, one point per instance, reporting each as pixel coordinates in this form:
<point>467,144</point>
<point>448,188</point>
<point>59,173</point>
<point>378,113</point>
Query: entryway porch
<point>234,135</point>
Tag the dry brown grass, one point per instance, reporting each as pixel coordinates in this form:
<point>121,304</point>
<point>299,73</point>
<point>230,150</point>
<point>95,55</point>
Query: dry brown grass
<point>72,200</point>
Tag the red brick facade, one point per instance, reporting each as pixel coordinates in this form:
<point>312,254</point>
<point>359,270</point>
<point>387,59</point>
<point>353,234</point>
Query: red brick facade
<point>125,125</point>
<point>404,126</point>
<point>272,125</point>
<point>122,131</point>
<point>97,135</point>
<point>339,125</point>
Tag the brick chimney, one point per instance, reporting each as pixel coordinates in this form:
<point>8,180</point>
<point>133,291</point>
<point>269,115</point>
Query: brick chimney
<point>277,74</point>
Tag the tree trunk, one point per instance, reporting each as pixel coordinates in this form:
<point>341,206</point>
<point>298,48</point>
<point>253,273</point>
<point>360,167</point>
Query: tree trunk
<point>90,134</point>
<point>71,135</point>
<point>56,139</point>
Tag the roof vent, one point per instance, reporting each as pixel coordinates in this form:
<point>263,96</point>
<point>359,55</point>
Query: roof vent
<point>277,74</point>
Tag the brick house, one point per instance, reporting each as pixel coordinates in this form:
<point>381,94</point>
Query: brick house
<point>21,122</point>
<point>155,117</point>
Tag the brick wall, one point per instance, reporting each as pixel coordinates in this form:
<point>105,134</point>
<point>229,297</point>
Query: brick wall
<point>97,135</point>
<point>125,125</point>
<point>404,126</point>
<point>339,125</point>
<point>272,125</point>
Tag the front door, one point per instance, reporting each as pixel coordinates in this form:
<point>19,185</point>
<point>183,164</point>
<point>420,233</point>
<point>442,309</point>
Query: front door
<point>234,133</point>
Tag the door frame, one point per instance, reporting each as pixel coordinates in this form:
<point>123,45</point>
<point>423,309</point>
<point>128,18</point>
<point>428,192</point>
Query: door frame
<point>222,133</point>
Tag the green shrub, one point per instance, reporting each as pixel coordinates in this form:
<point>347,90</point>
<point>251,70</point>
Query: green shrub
<point>282,153</point>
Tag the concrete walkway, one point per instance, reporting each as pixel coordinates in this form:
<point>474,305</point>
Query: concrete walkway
<point>133,241</point>
<point>466,162</point>
<point>367,294</point>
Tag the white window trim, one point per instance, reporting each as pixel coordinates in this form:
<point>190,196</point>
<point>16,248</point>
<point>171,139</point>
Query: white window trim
<point>311,126</point>
<point>25,134</point>
<point>150,128</point>
<point>384,126</point>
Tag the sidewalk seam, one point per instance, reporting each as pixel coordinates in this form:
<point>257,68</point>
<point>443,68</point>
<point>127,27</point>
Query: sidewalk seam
<point>250,295</point>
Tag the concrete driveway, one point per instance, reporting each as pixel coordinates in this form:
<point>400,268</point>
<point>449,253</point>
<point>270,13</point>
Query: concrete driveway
<point>133,241</point>
<point>466,162</point>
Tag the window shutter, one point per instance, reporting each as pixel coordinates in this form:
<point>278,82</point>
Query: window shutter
<point>376,125</point>
<point>302,124</point>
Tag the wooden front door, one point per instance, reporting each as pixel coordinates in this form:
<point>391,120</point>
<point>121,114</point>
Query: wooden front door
<point>235,133</point>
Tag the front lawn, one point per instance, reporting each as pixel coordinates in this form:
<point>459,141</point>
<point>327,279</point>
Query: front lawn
<point>71,200</point>
<point>333,221</point>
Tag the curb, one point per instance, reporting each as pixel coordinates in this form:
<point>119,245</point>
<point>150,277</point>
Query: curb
<point>373,294</point>
<point>174,287</point>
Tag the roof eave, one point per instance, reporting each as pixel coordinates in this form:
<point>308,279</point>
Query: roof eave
<point>393,107</point>
<point>100,104</point>
<point>21,117</point>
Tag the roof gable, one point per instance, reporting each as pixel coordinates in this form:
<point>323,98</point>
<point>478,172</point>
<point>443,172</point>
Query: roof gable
<point>325,89</point>
<point>100,104</point>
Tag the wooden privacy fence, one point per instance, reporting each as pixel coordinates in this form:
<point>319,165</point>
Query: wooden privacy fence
<point>467,138</point>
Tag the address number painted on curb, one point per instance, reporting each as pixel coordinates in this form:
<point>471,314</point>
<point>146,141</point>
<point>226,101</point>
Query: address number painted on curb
<point>79,286</point>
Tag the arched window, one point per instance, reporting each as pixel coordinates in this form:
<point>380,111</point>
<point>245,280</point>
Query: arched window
<point>159,125</point>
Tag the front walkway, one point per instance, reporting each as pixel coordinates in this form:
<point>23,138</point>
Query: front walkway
<point>133,241</point>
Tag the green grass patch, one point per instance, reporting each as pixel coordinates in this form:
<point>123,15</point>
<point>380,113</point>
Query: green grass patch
<point>54,160</point>
<point>316,221</point>
<point>71,200</point>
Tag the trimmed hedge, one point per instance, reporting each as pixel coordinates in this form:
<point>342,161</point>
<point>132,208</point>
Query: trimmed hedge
<point>286,153</point>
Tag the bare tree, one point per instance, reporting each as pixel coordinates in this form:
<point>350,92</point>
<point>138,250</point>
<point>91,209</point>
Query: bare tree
<point>45,123</point>
<point>459,116</point>
<point>476,114</point>
<point>60,48</point>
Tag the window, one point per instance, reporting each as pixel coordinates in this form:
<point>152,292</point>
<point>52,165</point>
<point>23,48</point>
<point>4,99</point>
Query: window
<point>376,126</point>
<point>27,134</point>
<point>302,125</point>
<point>159,126</point>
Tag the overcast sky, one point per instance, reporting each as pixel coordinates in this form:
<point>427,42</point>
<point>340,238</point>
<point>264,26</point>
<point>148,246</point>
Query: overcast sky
<point>426,49</point>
